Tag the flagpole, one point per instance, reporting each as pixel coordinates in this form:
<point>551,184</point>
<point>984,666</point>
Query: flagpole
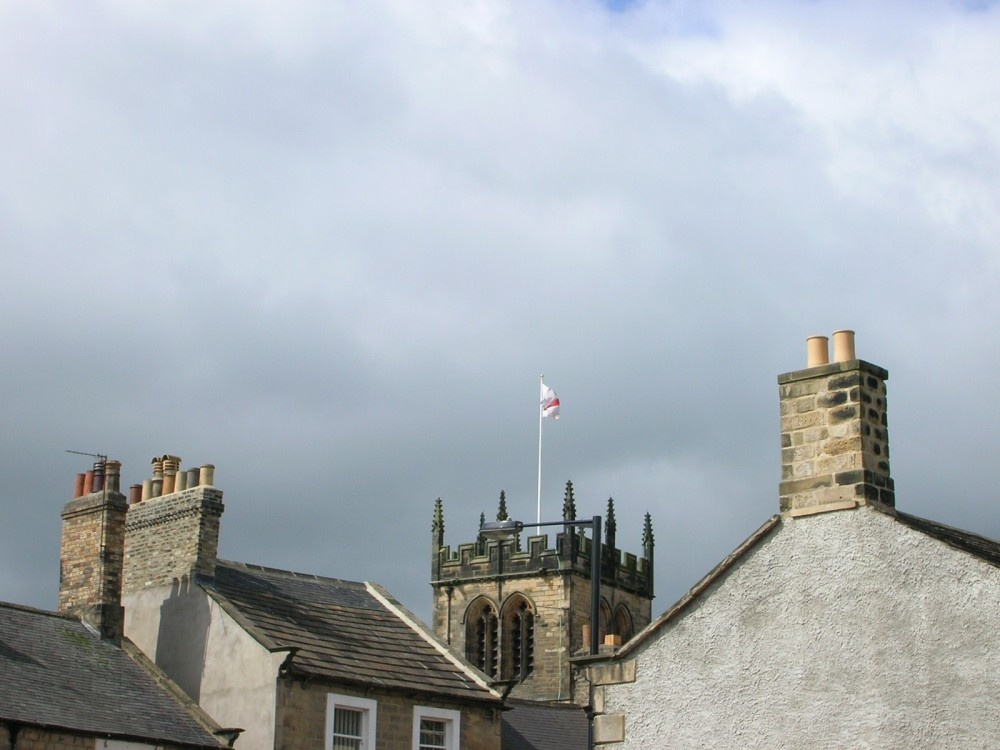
<point>538,516</point>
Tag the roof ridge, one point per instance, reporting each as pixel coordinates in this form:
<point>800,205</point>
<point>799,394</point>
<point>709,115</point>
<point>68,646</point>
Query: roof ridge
<point>289,573</point>
<point>705,582</point>
<point>407,617</point>
<point>38,611</point>
<point>971,543</point>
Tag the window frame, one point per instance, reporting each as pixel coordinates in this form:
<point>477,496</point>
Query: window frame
<point>368,708</point>
<point>451,718</point>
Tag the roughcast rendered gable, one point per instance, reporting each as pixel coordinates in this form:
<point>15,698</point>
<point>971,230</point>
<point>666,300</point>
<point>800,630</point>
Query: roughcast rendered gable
<point>212,657</point>
<point>844,629</point>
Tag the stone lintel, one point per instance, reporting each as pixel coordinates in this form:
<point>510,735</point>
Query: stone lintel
<point>612,673</point>
<point>825,508</point>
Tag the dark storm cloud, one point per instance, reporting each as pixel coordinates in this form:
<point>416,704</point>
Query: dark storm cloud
<point>330,252</point>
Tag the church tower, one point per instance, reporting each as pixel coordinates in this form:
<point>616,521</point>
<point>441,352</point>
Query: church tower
<point>519,609</point>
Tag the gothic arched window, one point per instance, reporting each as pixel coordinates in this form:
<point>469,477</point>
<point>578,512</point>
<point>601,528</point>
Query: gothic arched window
<point>482,641</point>
<point>623,622</point>
<point>519,639</point>
<point>606,621</point>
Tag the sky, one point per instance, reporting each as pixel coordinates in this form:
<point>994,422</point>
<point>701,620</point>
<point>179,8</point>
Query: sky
<point>330,248</point>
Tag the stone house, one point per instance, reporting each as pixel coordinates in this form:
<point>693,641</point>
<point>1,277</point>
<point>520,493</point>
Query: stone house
<point>840,622</point>
<point>296,661</point>
<point>69,681</point>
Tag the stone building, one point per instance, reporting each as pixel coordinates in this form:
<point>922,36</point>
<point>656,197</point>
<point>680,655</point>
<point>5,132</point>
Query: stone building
<point>297,661</point>
<point>519,610</point>
<point>840,622</point>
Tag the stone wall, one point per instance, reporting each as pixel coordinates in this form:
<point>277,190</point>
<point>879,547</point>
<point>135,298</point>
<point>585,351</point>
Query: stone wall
<point>561,601</point>
<point>36,738</point>
<point>32,738</point>
<point>301,723</point>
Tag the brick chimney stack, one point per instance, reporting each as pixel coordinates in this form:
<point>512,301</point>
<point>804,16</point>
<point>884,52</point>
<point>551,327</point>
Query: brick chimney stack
<point>834,434</point>
<point>92,551</point>
<point>173,536</point>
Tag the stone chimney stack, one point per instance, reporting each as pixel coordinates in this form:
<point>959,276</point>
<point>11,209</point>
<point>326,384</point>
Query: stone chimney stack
<point>173,536</point>
<point>834,434</point>
<point>92,550</point>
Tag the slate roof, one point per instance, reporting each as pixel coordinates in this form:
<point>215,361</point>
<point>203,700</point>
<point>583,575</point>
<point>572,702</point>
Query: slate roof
<point>343,631</point>
<point>57,674</point>
<point>979,546</point>
<point>531,725</point>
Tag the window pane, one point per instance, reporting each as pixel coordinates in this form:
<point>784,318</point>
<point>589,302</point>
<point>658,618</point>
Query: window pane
<point>347,728</point>
<point>433,734</point>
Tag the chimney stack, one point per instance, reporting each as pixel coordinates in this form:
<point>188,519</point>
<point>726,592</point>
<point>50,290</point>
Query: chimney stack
<point>834,434</point>
<point>92,552</point>
<point>172,533</point>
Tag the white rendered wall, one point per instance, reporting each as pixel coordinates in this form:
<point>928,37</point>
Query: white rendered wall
<point>841,630</point>
<point>226,671</point>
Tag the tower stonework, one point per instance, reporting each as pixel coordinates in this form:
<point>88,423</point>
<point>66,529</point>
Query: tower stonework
<point>520,609</point>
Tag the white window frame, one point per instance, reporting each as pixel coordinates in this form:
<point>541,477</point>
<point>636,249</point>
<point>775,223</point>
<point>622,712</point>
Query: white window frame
<point>452,721</point>
<point>368,709</point>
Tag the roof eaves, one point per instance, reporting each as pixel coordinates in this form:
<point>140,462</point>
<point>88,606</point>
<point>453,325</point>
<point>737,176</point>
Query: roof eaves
<point>699,588</point>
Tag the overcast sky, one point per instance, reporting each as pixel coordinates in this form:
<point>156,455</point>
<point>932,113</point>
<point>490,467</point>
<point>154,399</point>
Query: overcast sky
<point>330,247</point>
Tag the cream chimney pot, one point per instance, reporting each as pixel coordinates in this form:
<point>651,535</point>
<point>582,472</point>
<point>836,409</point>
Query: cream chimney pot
<point>817,351</point>
<point>843,346</point>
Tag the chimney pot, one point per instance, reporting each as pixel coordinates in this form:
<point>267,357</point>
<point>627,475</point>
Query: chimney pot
<point>88,482</point>
<point>207,476</point>
<point>113,472</point>
<point>78,485</point>
<point>135,494</point>
<point>843,346</point>
<point>817,351</point>
<point>98,483</point>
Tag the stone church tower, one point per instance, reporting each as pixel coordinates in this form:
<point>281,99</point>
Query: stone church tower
<point>519,609</point>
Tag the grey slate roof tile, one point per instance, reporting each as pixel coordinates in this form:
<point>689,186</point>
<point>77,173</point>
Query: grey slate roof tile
<point>340,631</point>
<point>56,673</point>
<point>543,726</point>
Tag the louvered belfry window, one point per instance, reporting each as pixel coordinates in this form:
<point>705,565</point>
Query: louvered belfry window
<point>484,651</point>
<point>348,729</point>
<point>522,640</point>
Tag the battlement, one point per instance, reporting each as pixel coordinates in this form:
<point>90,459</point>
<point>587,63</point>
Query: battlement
<point>489,560</point>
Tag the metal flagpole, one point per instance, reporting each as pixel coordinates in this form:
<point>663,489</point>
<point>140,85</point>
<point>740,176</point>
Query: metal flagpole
<point>538,517</point>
